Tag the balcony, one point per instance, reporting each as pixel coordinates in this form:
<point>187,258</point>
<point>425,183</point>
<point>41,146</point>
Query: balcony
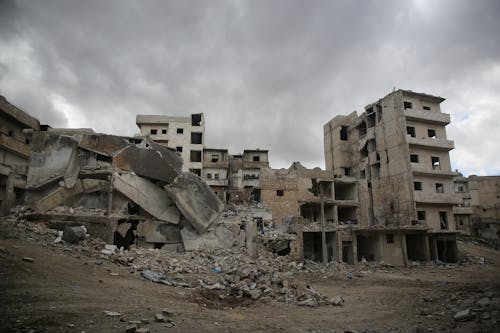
<point>421,169</point>
<point>431,143</point>
<point>429,117</point>
<point>15,146</point>
<point>216,182</point>
<point>216,165</point>
<point>437,198</point>
<point>457,210</point>
<point>370,134</point>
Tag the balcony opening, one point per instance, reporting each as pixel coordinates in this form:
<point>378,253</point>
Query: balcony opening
<point>196,119</point>
<point>460,189</point>
<point>343,133</point>
<point>347,215</point>
<point>439,188</point>
<point>280,193</point>
<point>415,247</point>
<point>367,247</point>
<point>180,130</point>
<point>256,158</point>
<point>410,130</point>
<point>195,156</point>
<point>427,108</point>
<point>417,186</point>
<point>431,133</point>
<point>196,138</point>
<point>362,174</point>
<point>345,191</point>
<point>379,113</point>
<point>436,164</point>
<point>153,131</point>
<point>421,215</point>
<point>389,238</point>
<point>371,119</point>
<point>364,152</point>
<point>216,176</point>
<point>215,158</point>
<point>178,149</point>
<point>414,158</point>
<point>407,105</point>
<point>163,131</point>
<point>362,129</point>
<point>348,171</point>
<point>209,176</point>
<point>196,172</point>
<point>443,220</point>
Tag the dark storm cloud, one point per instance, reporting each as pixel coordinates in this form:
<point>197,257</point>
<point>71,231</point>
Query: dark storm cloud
<point>266,74</point>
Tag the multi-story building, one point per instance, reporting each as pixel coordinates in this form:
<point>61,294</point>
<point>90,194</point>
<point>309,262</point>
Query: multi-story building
<point>216,170</point>
<point>399,153</point>
<point>463,211</point>
<point>14,152</point>
<point>184,134</point>
<point>485,202</point>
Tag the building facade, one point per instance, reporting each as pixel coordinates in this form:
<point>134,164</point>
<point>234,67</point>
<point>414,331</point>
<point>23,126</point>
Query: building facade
<point>14,152</point>
<point>186,135</point>
<point>485,202</point>
<point>399,153</point>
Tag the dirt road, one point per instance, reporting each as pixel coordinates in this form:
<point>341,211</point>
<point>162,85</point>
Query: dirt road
<point>60,291</point>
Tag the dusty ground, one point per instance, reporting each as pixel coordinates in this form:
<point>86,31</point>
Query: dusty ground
<point>63,292</point>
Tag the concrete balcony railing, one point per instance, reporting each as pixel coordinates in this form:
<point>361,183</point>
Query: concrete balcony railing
<point>457,210</point>
<point>216,182</point>
<point>430,117</point>
<point>436,198</point>
<point>216,165</point>
<point>251,182</point>
<point>422,169</point>
<point>431,143</point>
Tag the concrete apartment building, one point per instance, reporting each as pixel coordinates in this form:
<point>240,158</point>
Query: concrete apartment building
<point>399,153</point>
<point>485,202</point>
<point>186,135</point>
<point>14,152</point>
<point>463,211</point>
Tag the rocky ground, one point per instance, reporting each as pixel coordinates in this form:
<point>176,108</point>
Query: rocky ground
<point>48,285</point>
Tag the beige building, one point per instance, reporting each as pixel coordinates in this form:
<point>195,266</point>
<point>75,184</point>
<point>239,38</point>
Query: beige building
<point>463,211</point>
<point>14,152</point>
<point>399,153</point>
<point>184,134</point>
<point>216,170</point>
<point>485,202</point>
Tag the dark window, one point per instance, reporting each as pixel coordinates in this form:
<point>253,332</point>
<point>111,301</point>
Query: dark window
<point>436,164</point>
<point>179,149</point>
<point>256,158</point>
<point>427,108</point>
<point>410,130</point>
<point>417,186</point>
<point>460,189</point>
<point>407,105</point>
<point>421,215</point>
<point>216,176</point>
<point>348,171</point>
<point>414,158</point>
<point>180,130</point>
<point>439,188</point>
<point>163,131</point>
<point>389,238</point>
<point>215,158</point>
<point>209,176</point>
<point>460,221</point>
<point>196,171</point>
<point>196,138</point>
<point>153,131</point>
<point>443,220</point>
<point>196,119</point>
<point>280,193</point>
<point>343,133</point>
<point>431,133</point>
<point>195,156</point>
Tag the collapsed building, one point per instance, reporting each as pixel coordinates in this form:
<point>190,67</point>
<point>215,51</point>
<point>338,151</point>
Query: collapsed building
<point>124,190</point>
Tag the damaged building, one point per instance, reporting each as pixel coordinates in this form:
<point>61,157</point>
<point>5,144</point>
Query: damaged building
<point>123,190</point>
<point>398,152</point>
<point>485,201</point>
<point>14,153</point>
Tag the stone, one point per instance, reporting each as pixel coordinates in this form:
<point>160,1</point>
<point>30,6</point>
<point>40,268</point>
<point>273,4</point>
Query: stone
<point>160,318</point>
<point>485,316</point>
<point>28,259</point>
<point>337,300</point>
<point>74,234</point>
<point>112,313</point>
<point>311,302</point>
<point>132,328</point>
<point>464,315</point>
<point>255,294</point>
<point>484,302</point>
<point>142,330</point>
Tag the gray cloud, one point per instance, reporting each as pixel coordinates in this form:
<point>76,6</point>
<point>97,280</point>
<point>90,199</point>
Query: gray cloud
<point>267,74</point>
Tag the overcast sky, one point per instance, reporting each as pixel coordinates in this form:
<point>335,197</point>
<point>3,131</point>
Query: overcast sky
<point>267,74</point>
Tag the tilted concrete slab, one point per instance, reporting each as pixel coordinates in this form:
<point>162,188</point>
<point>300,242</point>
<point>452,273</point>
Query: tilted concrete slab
<point>159,232</point>
<point>58,197</point>
<point>197,202</point>
<point>148,196</point>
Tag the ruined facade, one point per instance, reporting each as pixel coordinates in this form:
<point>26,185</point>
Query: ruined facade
<point>399,153</point>
<point>463,211</point>
<point>14,153</point>
<point>186,135</point>
<point>485,202</point>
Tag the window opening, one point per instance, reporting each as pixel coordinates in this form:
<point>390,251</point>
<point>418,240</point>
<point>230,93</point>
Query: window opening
<point>343,133</point>
<point>408,105</point>
<point>436,164</point>
<point>417,186</point>
<point>439,188</point>
<point>414,158</point>
<point>153,131</point>
<point>410,130</point>
<point>431,133</point>
<point>421,215</point>
<point>280,193</point>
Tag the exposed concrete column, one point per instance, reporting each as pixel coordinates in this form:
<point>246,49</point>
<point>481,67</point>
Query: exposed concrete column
<point>9,195</point>
<point>402,241</point>
<point>335,214</point>
<point>110,196</point>
<point>380,245</point>
<point>426,248</point>
<point>250,233</point>
<point>340,249</point>
<point>323,233</point>
<point>354,248</point>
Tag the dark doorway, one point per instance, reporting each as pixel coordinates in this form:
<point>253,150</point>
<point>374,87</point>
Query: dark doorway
<point>415,247</point>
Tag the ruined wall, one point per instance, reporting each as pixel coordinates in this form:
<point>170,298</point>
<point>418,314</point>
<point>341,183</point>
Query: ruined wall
<point>280,192</point>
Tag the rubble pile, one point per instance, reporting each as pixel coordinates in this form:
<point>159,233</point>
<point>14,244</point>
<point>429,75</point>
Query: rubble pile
<point>124,190</point>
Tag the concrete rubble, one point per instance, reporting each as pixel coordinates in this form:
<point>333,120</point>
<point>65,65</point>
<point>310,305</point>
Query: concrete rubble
<point>124,190</point>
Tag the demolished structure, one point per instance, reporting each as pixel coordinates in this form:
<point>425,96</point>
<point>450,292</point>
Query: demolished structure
<point>124,190</point>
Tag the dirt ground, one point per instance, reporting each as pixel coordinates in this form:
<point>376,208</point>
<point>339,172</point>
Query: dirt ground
<point>62,292</point>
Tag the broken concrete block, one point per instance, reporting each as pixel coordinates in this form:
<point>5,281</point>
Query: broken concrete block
<point>58,197</point>
<point>197,202</point>
<point>464,315</point>
<point>28,259</point>
<point>148,196</point>
<point>112,313</point>
<point>160,318</point>
<point>159,232</point>
<point>74,234</point>
<point>132,328</point>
